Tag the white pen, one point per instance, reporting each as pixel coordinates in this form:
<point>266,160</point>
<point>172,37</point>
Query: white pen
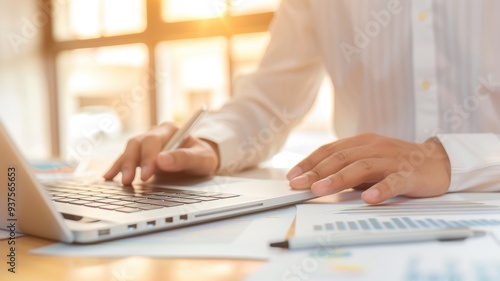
<point>366,238</point>
<point>178,138</point>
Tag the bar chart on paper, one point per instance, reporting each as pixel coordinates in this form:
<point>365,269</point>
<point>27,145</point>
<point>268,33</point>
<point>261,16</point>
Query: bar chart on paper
<point>424,208</point>
<point>399,223</point>
<point>315,219</point>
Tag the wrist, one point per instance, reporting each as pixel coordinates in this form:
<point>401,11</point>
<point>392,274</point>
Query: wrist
<point>439,153</point>
<point>215,148</point>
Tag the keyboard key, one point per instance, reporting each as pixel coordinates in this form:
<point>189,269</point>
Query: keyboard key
<point>110,207</point>
<point>203,198</point>
<point>100,195</point>
<point>64,200</point>
<point>113,191</point>
<point>176,194</point>
<point>80,202</point>
<point>182,195</point>
<point>95,204</point>
<point>86,193</point>
<point>119,196</point>
<point>131,199</point>
<point>108,201</point>
<point>74,196</point>
<point>137,205</point>
<point>122,203</point>
<point>89,198</point>
<point>157,197</point>
<point>205,193</point>
<point>71,191</point>
<point>167,204</point>
<point>225,195</point>
<point>182,200</point>
<point>148,201</point>
<point>160,203</point>
<point>151,207</point>
<point>155,193</point>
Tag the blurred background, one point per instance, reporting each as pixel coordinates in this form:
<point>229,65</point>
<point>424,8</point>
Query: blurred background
<point>79,74</point>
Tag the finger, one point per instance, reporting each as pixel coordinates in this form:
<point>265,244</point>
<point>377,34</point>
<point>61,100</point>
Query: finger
<point>151,145</point>
<point>130,160</point>
<point>193,160</point>
<point>393,185</point>
<point>331,165</point>
<point>325,151</point>
<point>114,170</point>
<point>359,172</point>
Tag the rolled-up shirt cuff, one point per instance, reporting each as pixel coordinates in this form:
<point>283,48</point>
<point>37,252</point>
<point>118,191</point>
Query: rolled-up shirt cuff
<point>475,161</point>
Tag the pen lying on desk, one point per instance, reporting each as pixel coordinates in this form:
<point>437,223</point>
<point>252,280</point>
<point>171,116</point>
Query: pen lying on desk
<point>366,238</point>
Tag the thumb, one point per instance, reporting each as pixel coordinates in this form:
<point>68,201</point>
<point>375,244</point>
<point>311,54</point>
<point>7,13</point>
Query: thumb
<point>393,185</point>
<point>191,160</point>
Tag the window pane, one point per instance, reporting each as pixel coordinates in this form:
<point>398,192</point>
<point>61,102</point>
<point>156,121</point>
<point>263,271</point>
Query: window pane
<point>124,16</point>
<point>103,95</point>
<point>240,7</point>
<point>191,73</point>
<point>182,10</point>
<point>84,18</point>
<point>81,19</point>
<point>24,104</point>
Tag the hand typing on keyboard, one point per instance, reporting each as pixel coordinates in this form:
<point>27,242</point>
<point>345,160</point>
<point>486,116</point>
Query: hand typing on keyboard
<point>110,196</point>
<point>194,157</point>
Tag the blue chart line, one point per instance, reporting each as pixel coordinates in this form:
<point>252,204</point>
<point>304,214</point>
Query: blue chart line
<point>400,223</point>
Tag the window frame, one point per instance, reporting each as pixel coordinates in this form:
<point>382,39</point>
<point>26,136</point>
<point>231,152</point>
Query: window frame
<point>157,31</point>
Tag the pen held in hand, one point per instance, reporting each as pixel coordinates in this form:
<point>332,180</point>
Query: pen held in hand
<point>178,138</point>
<point>367,238</point>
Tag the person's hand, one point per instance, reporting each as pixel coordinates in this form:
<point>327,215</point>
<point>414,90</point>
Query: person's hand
<point>392,167</point>
<point>195,156</point>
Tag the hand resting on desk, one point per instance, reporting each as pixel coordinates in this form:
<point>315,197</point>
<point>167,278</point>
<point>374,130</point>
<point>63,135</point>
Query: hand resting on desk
<point>393,166</point>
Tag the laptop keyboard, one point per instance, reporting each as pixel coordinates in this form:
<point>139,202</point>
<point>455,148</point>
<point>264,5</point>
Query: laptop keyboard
<point>126,199</point>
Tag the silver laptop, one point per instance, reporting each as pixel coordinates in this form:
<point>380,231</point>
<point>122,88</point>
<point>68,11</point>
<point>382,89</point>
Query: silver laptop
<point>88,211</point>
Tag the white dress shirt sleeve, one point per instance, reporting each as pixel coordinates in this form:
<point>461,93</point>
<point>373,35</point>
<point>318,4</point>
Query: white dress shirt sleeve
<point>475,161</point>
<point>254,124</point>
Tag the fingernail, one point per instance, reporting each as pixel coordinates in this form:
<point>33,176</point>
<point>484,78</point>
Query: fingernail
<point>304,179</point>
<point>295,172</point>
<point>327,182</point>
<point>372,193</point>
<point>167,159</point>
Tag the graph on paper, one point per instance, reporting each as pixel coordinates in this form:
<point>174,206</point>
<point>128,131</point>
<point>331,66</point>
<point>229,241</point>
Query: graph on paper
<point>408,215</point>
<point>424,208</point>
<point>399,223</point>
